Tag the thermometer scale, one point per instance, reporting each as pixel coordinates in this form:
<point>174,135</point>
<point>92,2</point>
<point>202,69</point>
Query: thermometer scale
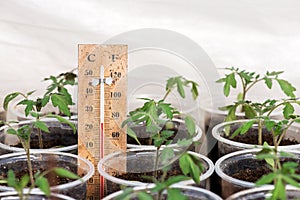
<point>102,106</point>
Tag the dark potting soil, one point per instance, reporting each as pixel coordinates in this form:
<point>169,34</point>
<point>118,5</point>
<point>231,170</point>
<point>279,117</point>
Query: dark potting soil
<point>251,170</point>
<point>57,137</point>
<point>145,177</point>
<point>251,137</point>
<point>20,168</point>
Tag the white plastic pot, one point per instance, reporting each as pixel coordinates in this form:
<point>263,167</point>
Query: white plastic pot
<point>33,196</point>
<point>234,162</point>
<point>226,146</point>
<point>189,191</point>
<point>44,160</point>
<point>63,134</point>
<point>141,161</point>
<point>263,193</point>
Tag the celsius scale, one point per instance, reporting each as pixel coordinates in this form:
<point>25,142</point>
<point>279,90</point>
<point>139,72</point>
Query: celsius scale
<point>102,106</point>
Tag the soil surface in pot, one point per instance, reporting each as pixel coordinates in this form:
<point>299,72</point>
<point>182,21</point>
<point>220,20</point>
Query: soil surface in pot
<point>146,177</point>
<point>59,136</point>
<point>251,170</point>
<point>20,169</point>
<point>251,137</point>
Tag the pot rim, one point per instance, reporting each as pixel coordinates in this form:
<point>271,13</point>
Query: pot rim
<point>265,188</point>
<point>197,137</point>
<point>249,152</point>
<point>61,196</point>
<point>90,172</point>
<point>19,149</point>
<point>216,134</point>
<point>102,172</point>
<point>149,186</point>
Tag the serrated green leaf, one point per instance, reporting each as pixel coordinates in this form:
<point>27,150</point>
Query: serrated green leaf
<point>250,113</point>
<point>8,98</point>
<point>43,185</point>
<point>180,88</point>
<point>265,179</point>
<point>60,102</point>
<point>190,125</point>
<point>287,87</point>
<point>24,181</point>
<point>268,82</point>
<point>288,110</point>
<point>41,125</point>
<point>226,89</point>
<point>175,193</point>
<point>231,80</point>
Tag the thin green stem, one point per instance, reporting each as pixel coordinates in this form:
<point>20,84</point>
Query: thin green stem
<point>260,131</point>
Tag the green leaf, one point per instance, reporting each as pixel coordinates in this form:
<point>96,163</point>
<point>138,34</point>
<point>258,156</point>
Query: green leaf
<point>63,120</point>
<point>265,179</point>
<point>41,125</point>
<point>226,89</point>
<point>268,82</point>
<point>43,184</point>
<point>144,196</point>
<point>176,179</point>
<point>24,181</point>
<point>279,190</point>
<point>8,98</point>
<point>250,113</point>
<point>291,181</point>
<point>175,193</point>
<point>240,97</point>
<point>180,87</point>
<point>12,131</point>
<point>194,90</point>
<point>11,179</point>
<point>60,102</point>
<point>190,125</point>
<point>184,164</point>
<point>167,109</point>
<point>61,172</point>
<point>29,106</point>
<point>288,110</point>
<point>132,134</point>
<point>231,80</point>
<point>287,87</point>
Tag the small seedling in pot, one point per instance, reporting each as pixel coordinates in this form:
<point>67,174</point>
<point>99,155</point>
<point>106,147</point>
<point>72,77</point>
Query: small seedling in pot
<point>56,94</point>
<point>157,116</point>
<point>248,80</point>
<point>259,113</point>
<point>40,181</point>
<point>282,173</point>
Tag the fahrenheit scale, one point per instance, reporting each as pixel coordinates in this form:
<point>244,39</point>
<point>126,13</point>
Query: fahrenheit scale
<point>102,105</point>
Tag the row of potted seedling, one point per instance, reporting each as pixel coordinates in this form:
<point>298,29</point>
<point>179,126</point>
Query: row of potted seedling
<point>172,133</point>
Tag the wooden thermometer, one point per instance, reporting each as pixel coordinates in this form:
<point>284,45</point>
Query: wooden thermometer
<point>102,106</point>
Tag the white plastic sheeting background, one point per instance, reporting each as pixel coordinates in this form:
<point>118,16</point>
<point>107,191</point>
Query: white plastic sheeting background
<point>40,37</point>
